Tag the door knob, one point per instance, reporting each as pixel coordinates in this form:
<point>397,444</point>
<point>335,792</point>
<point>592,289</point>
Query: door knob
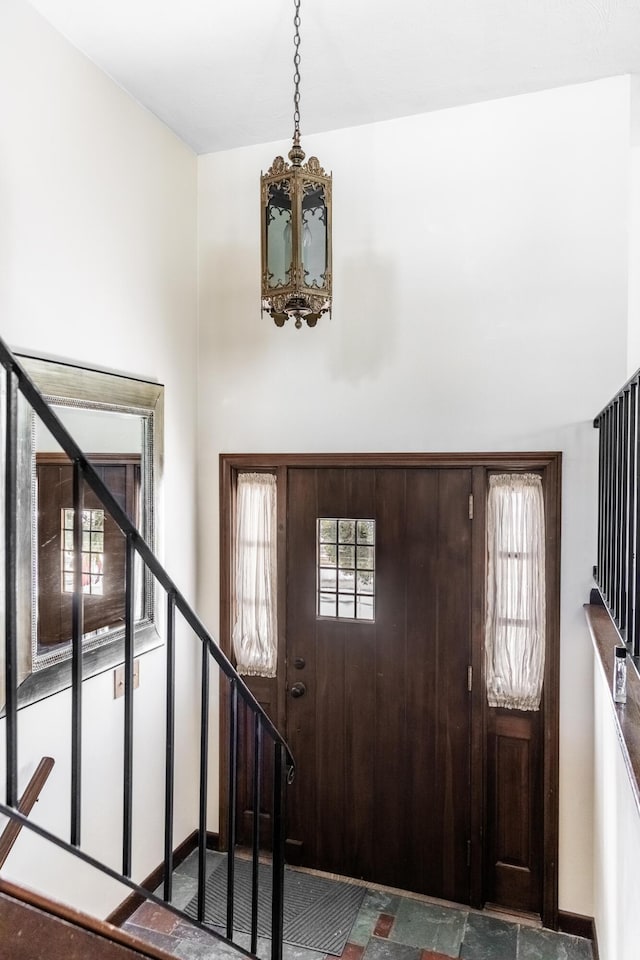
<point>298,690</point>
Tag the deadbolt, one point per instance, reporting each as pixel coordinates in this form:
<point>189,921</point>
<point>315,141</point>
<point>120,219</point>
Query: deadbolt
<point>299,663</point>
<point>298,690</point>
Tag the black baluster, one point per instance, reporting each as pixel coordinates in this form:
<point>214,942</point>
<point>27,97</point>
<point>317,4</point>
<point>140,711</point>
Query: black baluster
<point>635,633</point>
<point>257,765</point>
<point>127,827</point>
<point>603,506</point>
<point>608,503</point>
<point>624,509</point>
<point>77,630</point>
<point>634,411</point>
<point>601,475</point>
<point>615,582</point>
<point>169,748</point>
<point>231,803</point>
<point>204,770</point>
<point>278,835</point>
<point>11,581</point>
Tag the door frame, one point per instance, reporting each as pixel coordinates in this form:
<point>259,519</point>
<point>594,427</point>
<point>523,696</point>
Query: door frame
<point>548,464</point>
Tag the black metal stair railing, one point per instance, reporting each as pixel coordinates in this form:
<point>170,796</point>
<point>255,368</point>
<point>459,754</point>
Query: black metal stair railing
<point>19,383</point>
<point>617,572</point>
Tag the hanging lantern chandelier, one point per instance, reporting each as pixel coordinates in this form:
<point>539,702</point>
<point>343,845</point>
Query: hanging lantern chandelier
<point>296,227</point>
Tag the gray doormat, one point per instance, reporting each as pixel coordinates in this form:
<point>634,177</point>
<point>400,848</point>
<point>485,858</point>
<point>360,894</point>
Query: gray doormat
<point>318,913</point>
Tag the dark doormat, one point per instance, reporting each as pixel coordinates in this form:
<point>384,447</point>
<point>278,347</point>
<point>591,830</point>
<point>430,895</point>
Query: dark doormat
<point>318,913</point>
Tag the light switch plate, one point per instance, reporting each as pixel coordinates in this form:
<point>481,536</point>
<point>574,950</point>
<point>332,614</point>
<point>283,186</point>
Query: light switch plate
<point>118,679</point>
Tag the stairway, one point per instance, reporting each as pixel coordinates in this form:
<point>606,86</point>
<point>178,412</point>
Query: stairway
<point>32,926</point>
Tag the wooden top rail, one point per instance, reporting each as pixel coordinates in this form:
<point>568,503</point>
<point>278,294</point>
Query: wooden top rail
<point>605,638</point>
<point>61,933</point>
<point>27,801</point>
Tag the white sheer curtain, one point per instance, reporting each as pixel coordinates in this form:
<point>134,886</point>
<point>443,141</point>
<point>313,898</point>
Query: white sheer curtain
<point>515,625</point>
<point>255,626</point>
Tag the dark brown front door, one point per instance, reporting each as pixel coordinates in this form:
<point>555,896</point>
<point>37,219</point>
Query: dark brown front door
<point>378,712</point>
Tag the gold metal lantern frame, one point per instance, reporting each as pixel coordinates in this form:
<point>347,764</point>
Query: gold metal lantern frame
<point>296,239</point>
<point>296,227</point>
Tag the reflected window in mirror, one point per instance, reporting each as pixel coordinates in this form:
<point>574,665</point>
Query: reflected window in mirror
<point>93,556</point>
<point>103,546</point>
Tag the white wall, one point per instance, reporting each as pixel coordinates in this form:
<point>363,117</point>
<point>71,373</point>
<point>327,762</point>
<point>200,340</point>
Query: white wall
<point>480,304</point>
<point>98,265</point>
<point>617,836</point>
<point>633,343</point>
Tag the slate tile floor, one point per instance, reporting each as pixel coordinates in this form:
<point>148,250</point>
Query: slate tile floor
<point>388,927</point>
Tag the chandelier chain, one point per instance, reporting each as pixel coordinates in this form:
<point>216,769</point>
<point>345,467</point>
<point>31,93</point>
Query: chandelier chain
<point>296,74</point>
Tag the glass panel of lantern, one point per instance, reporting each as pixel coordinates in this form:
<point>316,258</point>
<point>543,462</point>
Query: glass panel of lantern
<point>279,246</point>
<point>314,234</point>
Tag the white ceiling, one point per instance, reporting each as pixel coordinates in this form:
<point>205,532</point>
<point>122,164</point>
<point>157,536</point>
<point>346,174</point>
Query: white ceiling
<point>220,74</point>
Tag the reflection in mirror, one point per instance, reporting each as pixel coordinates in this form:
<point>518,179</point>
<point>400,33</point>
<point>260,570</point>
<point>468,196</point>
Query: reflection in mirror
<point>114,443</point>
<point>118,423</point>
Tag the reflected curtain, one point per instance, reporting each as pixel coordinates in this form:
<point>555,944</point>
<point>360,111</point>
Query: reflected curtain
<point>515,619</point>
<point>255,624</point>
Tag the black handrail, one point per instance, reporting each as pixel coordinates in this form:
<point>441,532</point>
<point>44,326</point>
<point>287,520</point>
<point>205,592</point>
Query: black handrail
<point>18,381</point>
<point>617,572</point>
<point>55,426</point>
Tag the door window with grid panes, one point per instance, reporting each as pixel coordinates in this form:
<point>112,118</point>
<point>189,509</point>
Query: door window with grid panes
<point>346,568</point>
